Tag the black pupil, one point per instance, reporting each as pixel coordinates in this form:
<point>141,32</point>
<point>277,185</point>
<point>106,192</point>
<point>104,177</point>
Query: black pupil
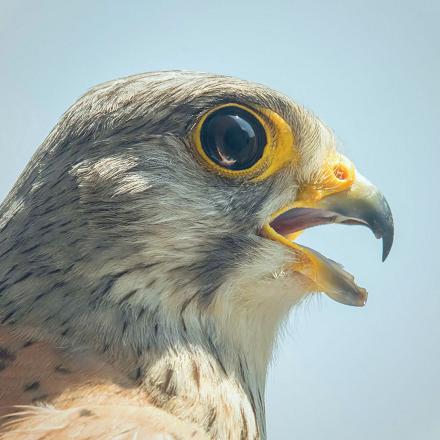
<point>233,138</point>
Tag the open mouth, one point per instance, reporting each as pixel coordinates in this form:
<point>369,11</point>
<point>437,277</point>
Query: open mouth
<point>362,204</point>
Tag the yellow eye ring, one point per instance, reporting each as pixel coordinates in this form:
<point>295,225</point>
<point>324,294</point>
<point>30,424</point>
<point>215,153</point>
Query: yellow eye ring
<point>238,141</point>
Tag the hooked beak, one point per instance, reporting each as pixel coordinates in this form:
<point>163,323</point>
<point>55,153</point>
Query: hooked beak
<point>342,196</point>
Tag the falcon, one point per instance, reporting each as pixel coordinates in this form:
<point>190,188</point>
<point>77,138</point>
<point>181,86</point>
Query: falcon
<point>149,255</point>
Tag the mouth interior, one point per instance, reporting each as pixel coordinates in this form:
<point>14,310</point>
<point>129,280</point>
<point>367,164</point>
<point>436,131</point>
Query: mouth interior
<point>298,219</point>
<point>327,275</point>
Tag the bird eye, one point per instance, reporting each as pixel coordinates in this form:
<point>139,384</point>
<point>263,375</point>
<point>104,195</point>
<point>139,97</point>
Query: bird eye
<point>233,138</point>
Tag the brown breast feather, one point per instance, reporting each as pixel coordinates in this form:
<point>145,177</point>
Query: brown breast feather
<point>47,393</point>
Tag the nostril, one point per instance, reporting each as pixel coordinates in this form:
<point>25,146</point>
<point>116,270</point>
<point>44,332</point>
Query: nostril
<point>341,172</point>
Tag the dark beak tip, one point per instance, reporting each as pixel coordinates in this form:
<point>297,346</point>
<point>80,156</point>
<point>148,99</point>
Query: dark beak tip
<point>383,227</point>
<point>386,248</point>
<point>388,235</point>
<point>387,241</point>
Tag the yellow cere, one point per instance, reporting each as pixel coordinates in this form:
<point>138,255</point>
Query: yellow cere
<point>337,174</point>
<point>279,151</point>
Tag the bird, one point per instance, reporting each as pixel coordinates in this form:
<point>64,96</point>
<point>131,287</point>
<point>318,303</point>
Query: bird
<point>149,257</point>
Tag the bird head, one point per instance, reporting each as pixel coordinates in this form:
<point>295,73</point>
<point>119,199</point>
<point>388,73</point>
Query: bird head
<point>211,179</point>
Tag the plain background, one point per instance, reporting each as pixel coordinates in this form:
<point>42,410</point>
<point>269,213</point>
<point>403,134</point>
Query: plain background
<point>371,71</point>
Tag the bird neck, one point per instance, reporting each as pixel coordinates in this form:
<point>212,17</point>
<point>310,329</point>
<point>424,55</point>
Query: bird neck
<point>206,367</point>
<point>208,363</point>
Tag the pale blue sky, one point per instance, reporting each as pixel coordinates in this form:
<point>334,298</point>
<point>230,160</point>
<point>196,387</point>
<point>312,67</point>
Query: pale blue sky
<point>370,70</point>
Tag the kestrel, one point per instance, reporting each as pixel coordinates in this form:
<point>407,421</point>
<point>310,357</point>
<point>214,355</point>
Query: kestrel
<point>148,256</point>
